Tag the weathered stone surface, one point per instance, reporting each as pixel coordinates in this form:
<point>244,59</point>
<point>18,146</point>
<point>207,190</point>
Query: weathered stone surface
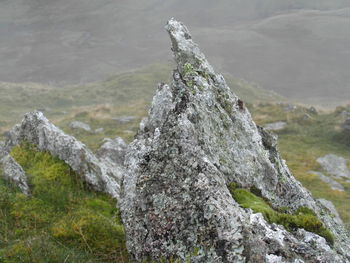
<point>113,150</point>
<point>332,183</point>
<point>36,129</point>
<point>331,208</point>
<point>272,243</point>
<point>197,138</point>
<point>334,165</point>
<point>78,125</point>
<point>275,126</point>
<point>13,172</point>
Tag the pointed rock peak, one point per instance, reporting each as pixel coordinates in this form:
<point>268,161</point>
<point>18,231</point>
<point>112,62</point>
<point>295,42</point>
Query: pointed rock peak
<point>187,53</point>
<point>199,138</point>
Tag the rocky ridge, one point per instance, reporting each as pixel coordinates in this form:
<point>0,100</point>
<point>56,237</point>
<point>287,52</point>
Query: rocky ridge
<point>198,138</point>
<point>102,175</point>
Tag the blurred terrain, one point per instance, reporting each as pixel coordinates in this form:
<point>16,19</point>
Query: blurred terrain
<point>296,48</point>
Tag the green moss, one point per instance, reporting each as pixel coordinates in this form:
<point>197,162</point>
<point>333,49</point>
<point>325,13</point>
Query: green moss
<point>62,221</point>
<point>187,69</point>
<point>302,218</point>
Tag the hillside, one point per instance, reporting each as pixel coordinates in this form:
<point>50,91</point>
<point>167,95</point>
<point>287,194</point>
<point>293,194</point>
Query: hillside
<point>127,93</point>
<point>282,46</point>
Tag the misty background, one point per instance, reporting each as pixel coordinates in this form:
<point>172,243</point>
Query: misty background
<point>299,49</point>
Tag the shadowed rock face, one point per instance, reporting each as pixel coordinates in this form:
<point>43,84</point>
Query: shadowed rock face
<point>13,172</point>
<point>36,129</point>
<point>197,138</point>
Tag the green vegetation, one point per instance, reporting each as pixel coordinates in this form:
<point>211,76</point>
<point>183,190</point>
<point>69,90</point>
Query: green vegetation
<point>62,220</point>
<point>302,218</point>
<point>120,93</point>
<point>304,140</point>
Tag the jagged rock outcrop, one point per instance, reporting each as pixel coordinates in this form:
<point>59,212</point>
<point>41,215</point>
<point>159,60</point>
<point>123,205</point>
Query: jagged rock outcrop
<point>198,138</point>
<point>12,171</point>
<point>37,130</point>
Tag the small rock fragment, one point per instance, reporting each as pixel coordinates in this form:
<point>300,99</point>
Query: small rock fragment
<point>78,125</point>
<point>275,126</point>
<point>332,183</point>
<point>334,165</point>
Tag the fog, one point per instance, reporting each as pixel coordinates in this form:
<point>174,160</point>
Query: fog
<point>300,50</point>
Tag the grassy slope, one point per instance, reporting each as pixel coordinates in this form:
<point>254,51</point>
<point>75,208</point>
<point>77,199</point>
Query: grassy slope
<point>62,221</point>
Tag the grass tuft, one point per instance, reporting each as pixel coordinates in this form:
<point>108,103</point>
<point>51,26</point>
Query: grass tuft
<point>63,220</point>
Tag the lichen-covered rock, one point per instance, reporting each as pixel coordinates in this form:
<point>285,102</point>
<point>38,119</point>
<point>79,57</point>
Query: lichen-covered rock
<point>113,150</point>
<point>13,172</point>
<point>272,243</point>
<point>334,165</point>
<point>37,130</point>
<point>198,138</point>
<point>331,208</point>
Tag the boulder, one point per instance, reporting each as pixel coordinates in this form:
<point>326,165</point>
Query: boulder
<point>332,183</point>
<point>198,138</point>
<point>334,165</point>
<point>99,130</point>
<point>37,130</point>
<point>275,126</point>
<point>78,125</point>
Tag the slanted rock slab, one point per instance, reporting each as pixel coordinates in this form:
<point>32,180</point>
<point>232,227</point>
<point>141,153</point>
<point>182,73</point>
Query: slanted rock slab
<point>36,129</point>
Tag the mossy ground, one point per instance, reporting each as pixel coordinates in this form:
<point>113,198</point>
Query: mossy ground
<point>62,220</point>
<point>302,218</point>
